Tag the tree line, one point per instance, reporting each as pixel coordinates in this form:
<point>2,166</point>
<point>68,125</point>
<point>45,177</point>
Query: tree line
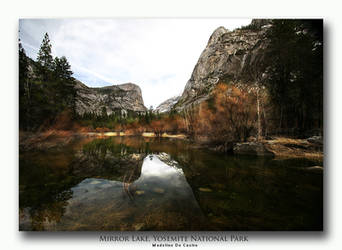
<point>46,87</point>
<point>294,62</point>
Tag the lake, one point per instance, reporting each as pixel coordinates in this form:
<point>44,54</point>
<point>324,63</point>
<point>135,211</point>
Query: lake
<point>150,184</point>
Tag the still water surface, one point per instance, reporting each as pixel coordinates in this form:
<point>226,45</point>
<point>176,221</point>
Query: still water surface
<point>135,183</point>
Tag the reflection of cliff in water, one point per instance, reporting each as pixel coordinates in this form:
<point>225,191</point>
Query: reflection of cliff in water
<point>159,199</point>
<point>106,184</point>
<point>104,159</point>
<point>46,178</point>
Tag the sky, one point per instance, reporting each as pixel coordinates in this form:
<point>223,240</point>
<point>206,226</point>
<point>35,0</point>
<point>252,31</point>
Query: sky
<point>159,55</point>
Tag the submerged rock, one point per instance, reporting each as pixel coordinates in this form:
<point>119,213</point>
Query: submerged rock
<point>251,148</point>
<point>316,168</point>
<point>159,190</point>
<point>138,226</point>
<point>95,182</point>
<point>316,140</point>
<point>205,189</point>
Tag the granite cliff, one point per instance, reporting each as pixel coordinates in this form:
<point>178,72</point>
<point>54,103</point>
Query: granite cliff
<point>167,105</point>
<point>230,56</point>
<point>120,99</point>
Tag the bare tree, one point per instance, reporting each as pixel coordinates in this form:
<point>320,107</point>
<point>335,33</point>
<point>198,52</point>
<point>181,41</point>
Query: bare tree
<point>256,75</point>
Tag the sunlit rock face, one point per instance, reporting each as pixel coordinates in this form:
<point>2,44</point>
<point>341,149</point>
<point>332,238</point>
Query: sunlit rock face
<point>120,99</point>
<point>229,56</point>
<point>167,105</point>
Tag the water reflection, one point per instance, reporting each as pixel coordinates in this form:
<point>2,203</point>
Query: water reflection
<point>128,183</point>
<point>160,198</point>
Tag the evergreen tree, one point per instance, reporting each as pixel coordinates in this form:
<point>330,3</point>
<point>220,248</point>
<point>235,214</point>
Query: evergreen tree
<point>23,64</point>
<point>104,112</point>
<point>24,88</point>
<point>47,95</point>
<point>45,59</point>
<point>44,55</point>
<point>62,69</point>
<point>64,82</point>
<point>295,59</point>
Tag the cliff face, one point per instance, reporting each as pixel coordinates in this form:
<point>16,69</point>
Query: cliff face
<point>119,99</point>
<point>167,105</point>
<point>229,56</point>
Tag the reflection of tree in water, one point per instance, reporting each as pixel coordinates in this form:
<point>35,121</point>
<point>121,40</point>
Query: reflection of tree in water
<point>115,146</point>
<point>45,186</point>
<point>46,214</point>
<point>45,183</point>
<point>50,213</point>
<point>108,158</point>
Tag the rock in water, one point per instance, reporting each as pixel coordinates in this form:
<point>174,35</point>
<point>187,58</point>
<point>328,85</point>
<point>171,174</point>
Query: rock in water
<point>251,148</point>
<point>317,168</point>
<point>139,226</point>
<point>205,189</point>
<point>118,99</point>
<point>316,140</point>
<point>158,190</point>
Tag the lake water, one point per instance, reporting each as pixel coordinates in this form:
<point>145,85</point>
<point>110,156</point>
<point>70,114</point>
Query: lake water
<point>136,183</point>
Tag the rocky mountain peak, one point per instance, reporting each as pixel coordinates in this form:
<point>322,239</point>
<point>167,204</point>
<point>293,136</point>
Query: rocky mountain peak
<point>227,57</point>
<point>129,87</point>
<point>119,99</point>
<point>259,23</point>
<point>216,35</point>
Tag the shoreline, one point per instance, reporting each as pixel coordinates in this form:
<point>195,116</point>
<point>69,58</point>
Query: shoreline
<point>277,147</point>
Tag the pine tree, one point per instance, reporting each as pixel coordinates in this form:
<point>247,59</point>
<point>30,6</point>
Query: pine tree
<point>23,65</point>
<point>24,88</point>
<point>44,55</point>
<point>295,73</point>
<point>45,58</point>
<point>62,69</point>
<point>62,77</point>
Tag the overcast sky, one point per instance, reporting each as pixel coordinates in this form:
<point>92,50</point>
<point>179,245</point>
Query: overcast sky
<point>157,54</point>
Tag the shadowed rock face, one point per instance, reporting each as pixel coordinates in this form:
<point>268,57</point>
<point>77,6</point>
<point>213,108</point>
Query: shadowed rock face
<point>229,56</point>
<point>119,99</point>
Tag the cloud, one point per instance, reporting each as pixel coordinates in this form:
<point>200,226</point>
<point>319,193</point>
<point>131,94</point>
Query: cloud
<point>157,54</point>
